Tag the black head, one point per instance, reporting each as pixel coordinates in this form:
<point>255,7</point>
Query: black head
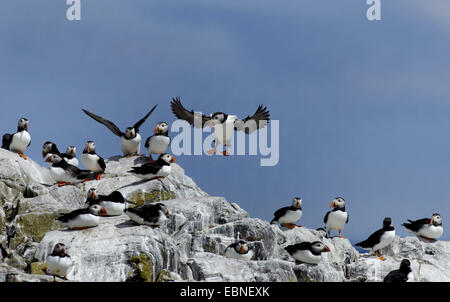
<point>318,247</point>
<point>387,222</point>
<point>436,219</point>
<point>54,159</point>
<point>241,247</point>
<point>166,159</point>
<point>92,194</point>
<point>405,265</point>
<point>218,118</point>
<point>162,128</point>
<point>49,147</point>
<point>22,124</point>
<point>130,133</point>
<point>59,250</point>
<point>338,203</point>
<point>71,151</point>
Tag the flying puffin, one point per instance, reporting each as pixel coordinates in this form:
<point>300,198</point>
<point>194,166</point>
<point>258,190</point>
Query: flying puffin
<point>239,250</point>
<point>92,161</point>
<point>65,174</point>
<point>428,228</point>
<point>148,214</point>
<point>380,239</point>
<point>158,142</point>
<point>287,216</point>
<point>130,140</point>
<point>71,156</point>
<point>336,218</point>
<point>48,149</point>
<point>59,263</point>
<point>307,252</point>
<point>404,274</point>
<point>223,123</point>
<point>83,218</point>
<point>114,203</point>
<point>19,141</point>
<point>158,169</point>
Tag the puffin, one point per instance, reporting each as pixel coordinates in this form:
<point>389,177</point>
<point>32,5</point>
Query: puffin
<point>66,174</point>
<point>158,169</point>
<point>48,149</point>
<point>114,203</point>
<point>92,161</point>
<point>158,142</point>
<point>239,250</point>
<point>336,218</point>
<point>130,140</point>
<point>224,124</point>
<point>380,239</point>
<point>11,277</point>
<point>287,216</point>
<point>59,262</point>
<point>19,141</point>
<point>71,156</point>
<point>148,214</point>
<point>403,274</point>
<point>307,252</point>
<point>83,218</point>
<point>427,228</point>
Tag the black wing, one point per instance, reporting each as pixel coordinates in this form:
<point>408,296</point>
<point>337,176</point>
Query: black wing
<point>297,247</point>
<point>6,141</point>
<point>77,173</point>
<point>396,276</point>
<point>101,163</point>
<point>68,216</point>
<point>139,124</point>
<point>251,123</point>
<point>189,116</point>
<point>372,240</point>
<point>110,125</point>
<point>326,217</point>
<point>416,225</point>
<point>148,168</point>
<point>279,213</point>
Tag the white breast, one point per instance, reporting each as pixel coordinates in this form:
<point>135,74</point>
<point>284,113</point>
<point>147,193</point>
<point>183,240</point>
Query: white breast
<point>290,217</point>
<point>20,141</point>
<point>59,266</point>
<point>431,231</point>
<point>139,220</point>
<point>223,133</point>
<point>90,162</point>
<point>60,175</point>
<point>231,253</point>
<point>336,220</point>
<point>113,208</point>
<point>385,240</point>
<point>84,221</point>
<point>158,144</point>
<point>73,161</point>
<point>307,257</point>
<point>131,146</point>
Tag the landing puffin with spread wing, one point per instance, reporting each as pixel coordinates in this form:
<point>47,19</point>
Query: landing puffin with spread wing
<point>224,124</point>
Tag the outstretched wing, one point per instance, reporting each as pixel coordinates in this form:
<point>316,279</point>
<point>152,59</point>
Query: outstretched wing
<point>110,125</point>
<point>139,124</point>
<point>189,116</point>
<point>252,123</point>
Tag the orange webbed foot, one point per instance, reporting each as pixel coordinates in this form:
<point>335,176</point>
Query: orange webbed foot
<point>212,151</point>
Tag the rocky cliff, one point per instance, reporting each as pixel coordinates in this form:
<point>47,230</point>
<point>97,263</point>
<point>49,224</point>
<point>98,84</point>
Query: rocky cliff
<point>189,247</point>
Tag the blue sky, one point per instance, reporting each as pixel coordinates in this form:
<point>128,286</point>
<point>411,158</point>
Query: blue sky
<point>363,106</point>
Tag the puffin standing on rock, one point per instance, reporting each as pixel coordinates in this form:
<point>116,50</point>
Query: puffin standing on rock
<point>239,250</point>
<point>404,274</point>
<point>92,161</point>
<point>130,140</point>
<point>307,252</point>
<point>114,203</point>
<point>380,239</point>
<point>71,156</point>
<point>19,141</point>
<point>66,174</point>
<point>427,228</point>
<point>287,216</point>
<point>83,218</point>
<point>148,214</point>
<point>158,169</point>
<point>58,263</point>
<point>337,218</point>
<point>224,124</point>
<point>158,142</point>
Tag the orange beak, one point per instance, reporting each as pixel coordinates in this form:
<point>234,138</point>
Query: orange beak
<point>174,160</point>
<point>431,221</point>
<point>48,159</point>
<point>167,214</point>
<point>332,204</point>
<point>242,250</point>
<point>43,154</point>
<point>156,130</point>
<point>327,249</point>
<point>103,211</point>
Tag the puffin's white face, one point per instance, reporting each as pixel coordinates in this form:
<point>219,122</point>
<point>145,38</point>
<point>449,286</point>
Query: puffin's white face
<point>54,159</point>
<point>23,123</point>
<point>162,127</point>
<point>92,193</point>
<point>71,151</point>
<point>242,247</point>
<point>338,203</point>
<point>90,147</point>
<point>59,249</point>
<point>217,118</point>
<point>168,158</point>
<point>97,210</point>
<point>164,210</point>
<point>46,148</point>
<point>130,133</point>
<point>319,247</point>
<point>436,219</point>
<point>297,202</point>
